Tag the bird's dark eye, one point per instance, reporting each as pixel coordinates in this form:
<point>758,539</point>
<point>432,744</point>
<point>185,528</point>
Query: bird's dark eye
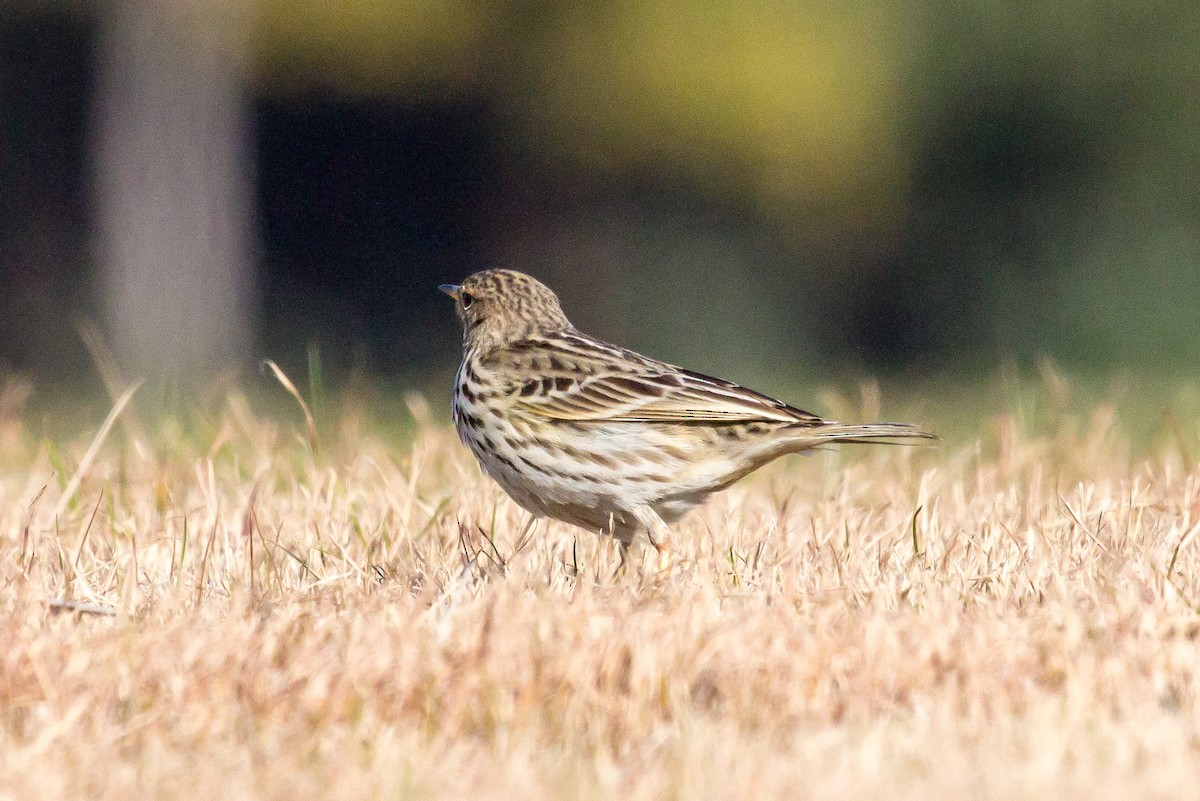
<point>466,298</point>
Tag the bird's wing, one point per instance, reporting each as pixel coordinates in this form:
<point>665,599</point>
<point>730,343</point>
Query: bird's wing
<point>576,378</point>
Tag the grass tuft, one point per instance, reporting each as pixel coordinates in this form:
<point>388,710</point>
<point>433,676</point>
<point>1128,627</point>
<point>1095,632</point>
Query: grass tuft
<point>215,608</point>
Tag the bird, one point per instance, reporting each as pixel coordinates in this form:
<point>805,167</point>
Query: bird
<point>596,435</point>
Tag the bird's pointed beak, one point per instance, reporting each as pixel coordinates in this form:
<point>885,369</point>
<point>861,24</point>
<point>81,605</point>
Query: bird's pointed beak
<point>451,289</point>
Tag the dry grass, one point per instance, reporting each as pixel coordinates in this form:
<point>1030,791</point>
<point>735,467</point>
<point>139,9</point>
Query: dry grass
<point>1010,615</point>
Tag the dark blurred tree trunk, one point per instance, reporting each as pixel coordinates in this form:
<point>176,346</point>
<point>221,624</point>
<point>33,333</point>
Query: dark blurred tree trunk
<point>174,187</point>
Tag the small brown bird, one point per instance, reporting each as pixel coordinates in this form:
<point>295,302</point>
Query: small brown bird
<point>604,438</point>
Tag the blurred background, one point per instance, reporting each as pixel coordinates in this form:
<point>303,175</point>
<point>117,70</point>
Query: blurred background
<point>766,191</point>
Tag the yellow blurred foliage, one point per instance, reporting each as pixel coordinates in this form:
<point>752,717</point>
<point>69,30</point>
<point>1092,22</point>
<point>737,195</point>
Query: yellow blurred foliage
<point>359,47</point>
<point>796,103</point>
<point>794,99</point>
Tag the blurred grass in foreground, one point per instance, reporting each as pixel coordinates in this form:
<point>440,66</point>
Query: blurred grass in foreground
<point>222,609</point>
<point>1146,412</point>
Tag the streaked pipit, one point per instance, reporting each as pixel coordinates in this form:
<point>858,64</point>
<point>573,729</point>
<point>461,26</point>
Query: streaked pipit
<point>604,438</point>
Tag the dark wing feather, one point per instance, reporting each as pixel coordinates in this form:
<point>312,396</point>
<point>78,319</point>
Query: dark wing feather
<point>591,381</point>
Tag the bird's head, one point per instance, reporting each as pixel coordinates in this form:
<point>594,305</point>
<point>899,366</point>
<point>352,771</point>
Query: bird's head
<point>499,307</point>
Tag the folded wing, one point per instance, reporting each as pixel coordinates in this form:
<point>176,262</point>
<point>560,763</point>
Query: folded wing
<point>620,390</point>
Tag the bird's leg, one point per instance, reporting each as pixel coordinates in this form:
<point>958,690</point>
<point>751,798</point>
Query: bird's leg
<point>659,536</point>
<point>625,533</point>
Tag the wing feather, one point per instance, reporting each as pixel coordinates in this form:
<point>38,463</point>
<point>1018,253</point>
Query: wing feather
<point>609,384</point>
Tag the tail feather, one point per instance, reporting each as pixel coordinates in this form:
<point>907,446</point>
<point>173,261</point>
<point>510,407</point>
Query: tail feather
<point>868,434</point>
<point>808,438</point>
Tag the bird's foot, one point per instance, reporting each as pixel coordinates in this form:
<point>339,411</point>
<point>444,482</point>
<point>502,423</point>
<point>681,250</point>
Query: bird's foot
<point>664,556</point>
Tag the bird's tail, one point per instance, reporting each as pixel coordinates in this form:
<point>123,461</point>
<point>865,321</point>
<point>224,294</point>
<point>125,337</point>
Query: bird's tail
<point>807,439</point>
<point>868,434</point>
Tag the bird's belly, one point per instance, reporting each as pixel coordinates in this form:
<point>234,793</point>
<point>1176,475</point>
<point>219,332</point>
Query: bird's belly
<point>584,474</point>
<point>544,482</point>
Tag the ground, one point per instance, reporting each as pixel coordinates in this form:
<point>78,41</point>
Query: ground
<point>232,608</point>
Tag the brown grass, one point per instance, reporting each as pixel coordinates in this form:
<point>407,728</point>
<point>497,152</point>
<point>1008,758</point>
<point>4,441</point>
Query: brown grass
<point>219,613</point>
